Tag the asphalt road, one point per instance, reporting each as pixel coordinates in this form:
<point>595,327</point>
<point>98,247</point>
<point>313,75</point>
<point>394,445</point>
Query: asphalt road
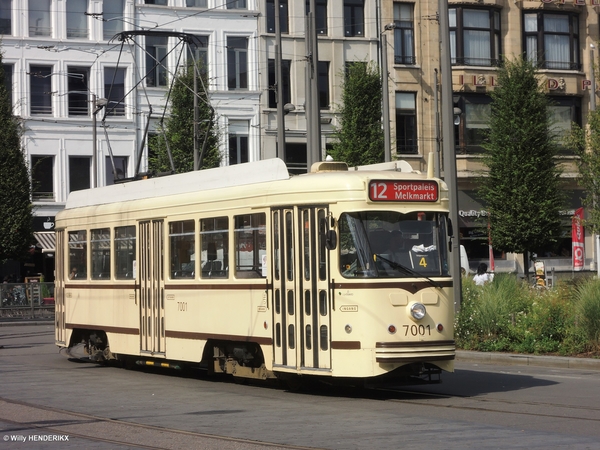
<point>45,398</point>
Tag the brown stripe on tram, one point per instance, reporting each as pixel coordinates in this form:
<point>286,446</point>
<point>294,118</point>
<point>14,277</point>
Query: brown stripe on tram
<point>218,337</point>
<point>410,286</point>
<point>413,344</point>
<point>107,329</point>
<point>345,345</point>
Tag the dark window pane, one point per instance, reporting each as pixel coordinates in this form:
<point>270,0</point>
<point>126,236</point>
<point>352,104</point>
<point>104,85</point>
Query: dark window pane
<point>40,79</point>
<point>79,173</point>
<point>42,168</point>
<point>78,91</point>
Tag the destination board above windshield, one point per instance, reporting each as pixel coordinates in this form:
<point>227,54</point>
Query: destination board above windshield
<point>403,191</point>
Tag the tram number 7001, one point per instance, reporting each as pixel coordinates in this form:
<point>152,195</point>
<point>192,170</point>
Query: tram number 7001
<point>417,330</point>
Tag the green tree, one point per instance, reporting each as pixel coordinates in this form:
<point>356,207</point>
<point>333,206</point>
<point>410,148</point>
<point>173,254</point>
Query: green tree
<point>179,127</point>
<point>522,188</point>
<point>359,138</point>
<point>586,143</point>
<point>16,229</point>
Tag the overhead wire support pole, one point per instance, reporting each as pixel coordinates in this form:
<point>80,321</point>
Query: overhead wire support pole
<point>387,141</point>
<point>450,176</point>
<point>280,153</point>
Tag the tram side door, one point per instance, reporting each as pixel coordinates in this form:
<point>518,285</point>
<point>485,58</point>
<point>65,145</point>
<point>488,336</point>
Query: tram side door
<point>152,287</point>
<point>301,303</point>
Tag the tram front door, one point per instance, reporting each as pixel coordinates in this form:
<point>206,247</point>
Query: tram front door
<point>301,296</point>
<point>151,287</point>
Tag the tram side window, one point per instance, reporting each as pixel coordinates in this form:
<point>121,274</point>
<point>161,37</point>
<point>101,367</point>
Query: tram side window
<point>183,252</point>
<point>124,252</point>
<point>214,244</point>
<point>250,245</point>
<point>77,255</point>
<point>100,245</point>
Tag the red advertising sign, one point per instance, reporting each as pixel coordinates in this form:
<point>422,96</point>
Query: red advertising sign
<point>577,238</point>
<point>403,191</point>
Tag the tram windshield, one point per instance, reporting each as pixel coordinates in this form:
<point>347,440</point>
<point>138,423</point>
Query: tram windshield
<point>389,244</point>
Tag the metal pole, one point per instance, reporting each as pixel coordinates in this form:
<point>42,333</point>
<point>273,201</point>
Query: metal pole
<point>386,100</point>
<point>436,102</point>
<point>314,93</point>
<point>592,109</point>
<point>94,144</point>
<point>308,95</point>
<point>448,146</point>
<point>279,86</point>
<point>196,159</point>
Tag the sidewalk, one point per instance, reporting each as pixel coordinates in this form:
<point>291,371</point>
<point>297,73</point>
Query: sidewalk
<point>561,362</point>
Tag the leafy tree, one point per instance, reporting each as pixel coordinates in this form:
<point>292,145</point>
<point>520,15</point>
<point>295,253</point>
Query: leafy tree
<point>522,188</point>
<point>179,127</point>
<point>16,229</point>
<point>359,139</point>
<point>586,144</point>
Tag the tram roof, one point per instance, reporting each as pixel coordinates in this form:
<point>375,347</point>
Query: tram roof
<point>236,175</point>
<point>263,171</point>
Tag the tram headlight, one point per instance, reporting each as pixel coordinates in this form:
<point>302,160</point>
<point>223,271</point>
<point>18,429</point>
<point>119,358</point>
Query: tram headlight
<point>418,311</point>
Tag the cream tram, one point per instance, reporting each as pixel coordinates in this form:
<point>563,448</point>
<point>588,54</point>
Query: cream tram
<point>339,273</point>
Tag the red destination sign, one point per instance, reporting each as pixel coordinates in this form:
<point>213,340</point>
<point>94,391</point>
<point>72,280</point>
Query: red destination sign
<point>403,191</point>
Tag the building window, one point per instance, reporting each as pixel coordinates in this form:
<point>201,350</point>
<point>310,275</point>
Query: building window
<point>40,85</point>
<point>114,91</point>
<point>406,123</point>
<point>237,63</point>
<point>404,34</point>
<point>552,40</point>
<point>295,158</point>
<point>39,18</point>
<point>78,91</point>
<point>157,2</point>
<point>283,16</point>
<point>8,81</point>
<point>564,112</point>
<point>237,4</point>
<point>112,14</point>
<point>474,36</point>
<point>198,51</point>
<point>320,15</point>
<point>79,173</point>
<point>196,3</point>
<point>238,142</point>
<point>77,21</point>
<point>285,75</point>
<point>323,68</point>
<point>5,16</point>
<point>42,178</point>
<point>120,169</point>
<point>156,60</point>
<point>354,18</point>
<point>472,126</point>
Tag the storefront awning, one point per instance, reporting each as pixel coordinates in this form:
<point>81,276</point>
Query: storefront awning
<point>46,241</point>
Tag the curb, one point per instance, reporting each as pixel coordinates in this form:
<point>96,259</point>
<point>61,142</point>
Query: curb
<point>562,362</point>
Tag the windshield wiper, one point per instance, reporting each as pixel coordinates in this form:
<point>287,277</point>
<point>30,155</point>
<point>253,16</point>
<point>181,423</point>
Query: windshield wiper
<point>408,270</point>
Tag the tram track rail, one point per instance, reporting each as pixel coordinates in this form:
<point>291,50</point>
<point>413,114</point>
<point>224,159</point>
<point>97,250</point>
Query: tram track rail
<point>28,419</point>
<point>479,404</point>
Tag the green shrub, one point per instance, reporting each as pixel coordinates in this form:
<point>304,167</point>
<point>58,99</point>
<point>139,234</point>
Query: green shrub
<point>509,315</point>
<point>587,296</point>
